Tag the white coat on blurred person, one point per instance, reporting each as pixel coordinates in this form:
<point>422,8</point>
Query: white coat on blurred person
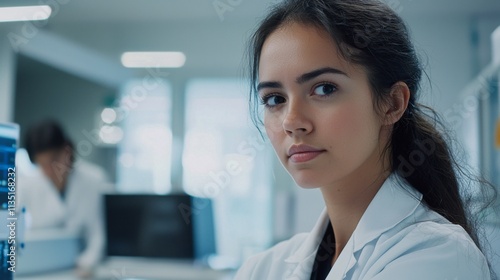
<point>64,193</point>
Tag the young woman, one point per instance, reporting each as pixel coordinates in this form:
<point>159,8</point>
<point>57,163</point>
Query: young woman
<point>338,81</point>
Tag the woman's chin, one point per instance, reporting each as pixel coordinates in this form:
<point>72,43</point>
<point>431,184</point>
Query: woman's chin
<point>310,177</point>
<point>307,182</point>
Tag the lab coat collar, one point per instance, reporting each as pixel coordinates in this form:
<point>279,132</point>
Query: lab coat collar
<point>394,201</point>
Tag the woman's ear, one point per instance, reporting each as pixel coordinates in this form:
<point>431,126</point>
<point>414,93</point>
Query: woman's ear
<point>397,103</point>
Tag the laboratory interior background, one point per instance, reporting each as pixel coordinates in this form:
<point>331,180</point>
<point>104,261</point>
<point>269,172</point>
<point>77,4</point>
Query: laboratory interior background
<point>172,136</point>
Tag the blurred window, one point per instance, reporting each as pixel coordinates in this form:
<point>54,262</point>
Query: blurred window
<point>144,155</point>
<point>225,158</point>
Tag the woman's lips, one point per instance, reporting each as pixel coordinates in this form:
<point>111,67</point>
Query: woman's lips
<point>302,152</point>
<point>304,156</point>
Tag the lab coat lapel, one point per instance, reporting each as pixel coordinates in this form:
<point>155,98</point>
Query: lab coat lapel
<point>395,201</point>
<point>344,262</point>
<point>301,262</point>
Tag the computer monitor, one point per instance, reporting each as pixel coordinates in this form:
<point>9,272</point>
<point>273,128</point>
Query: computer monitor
<point>9,135</point>
<point>175,226</point>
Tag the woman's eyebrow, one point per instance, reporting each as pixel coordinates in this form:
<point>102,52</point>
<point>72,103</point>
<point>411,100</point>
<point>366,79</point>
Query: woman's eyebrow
<point>269,85</point>
<point>313,74</point>
<point>303,78</point>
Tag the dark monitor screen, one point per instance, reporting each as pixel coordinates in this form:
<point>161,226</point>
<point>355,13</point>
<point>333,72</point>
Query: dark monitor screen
<point>142,225</point>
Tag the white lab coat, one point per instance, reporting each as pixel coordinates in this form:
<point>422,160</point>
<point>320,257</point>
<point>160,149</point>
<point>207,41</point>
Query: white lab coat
<point>80,212</point>
<point>397,237</point>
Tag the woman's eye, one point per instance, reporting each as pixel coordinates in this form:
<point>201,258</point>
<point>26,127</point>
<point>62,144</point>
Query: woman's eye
<point>325,89</point>
<point>272,100</point>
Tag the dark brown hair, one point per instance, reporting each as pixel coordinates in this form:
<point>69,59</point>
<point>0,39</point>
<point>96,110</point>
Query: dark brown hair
<point>45,136</point>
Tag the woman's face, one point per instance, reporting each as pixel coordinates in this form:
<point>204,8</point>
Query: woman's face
<point>320,100</point>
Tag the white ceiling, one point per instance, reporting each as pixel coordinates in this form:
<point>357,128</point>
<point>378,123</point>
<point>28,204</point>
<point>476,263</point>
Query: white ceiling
<point>194,26</point>
<point>189,10</point>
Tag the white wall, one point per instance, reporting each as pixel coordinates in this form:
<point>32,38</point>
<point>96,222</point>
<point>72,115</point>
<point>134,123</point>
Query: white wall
<point>445,46</point>
<point>485,27</point>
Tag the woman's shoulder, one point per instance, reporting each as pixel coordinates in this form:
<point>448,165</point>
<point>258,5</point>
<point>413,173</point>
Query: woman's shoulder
<point>437,236</point>
<point>432,229</point>
<point>263,262</point>
<point>432,248</point>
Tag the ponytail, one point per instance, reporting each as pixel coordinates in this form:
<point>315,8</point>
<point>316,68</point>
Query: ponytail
<point>421,156</point>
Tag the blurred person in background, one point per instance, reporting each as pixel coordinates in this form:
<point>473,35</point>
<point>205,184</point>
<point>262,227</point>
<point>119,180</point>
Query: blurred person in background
<point>66,193</point>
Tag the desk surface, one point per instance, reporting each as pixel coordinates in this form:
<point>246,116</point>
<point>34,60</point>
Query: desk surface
<point>140,269</point>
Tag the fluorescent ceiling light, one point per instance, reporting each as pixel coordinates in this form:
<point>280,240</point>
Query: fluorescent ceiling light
<point>25,13</point>
<point>153,59</point>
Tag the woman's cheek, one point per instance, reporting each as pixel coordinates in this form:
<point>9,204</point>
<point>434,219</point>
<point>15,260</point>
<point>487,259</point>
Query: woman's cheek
<point>349,132</point>
<point>345,123</point>
<point>274,131</point>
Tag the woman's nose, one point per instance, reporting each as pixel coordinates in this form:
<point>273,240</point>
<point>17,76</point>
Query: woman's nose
<point>296,121</point>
